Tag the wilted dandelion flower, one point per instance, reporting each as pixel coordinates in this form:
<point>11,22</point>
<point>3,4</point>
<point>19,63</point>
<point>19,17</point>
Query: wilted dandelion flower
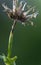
<point>18,12</point>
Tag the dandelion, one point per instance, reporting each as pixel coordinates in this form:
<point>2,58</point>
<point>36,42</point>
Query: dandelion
<point>18,12</point>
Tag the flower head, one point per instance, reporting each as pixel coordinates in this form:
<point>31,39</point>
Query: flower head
<point>18,12</point>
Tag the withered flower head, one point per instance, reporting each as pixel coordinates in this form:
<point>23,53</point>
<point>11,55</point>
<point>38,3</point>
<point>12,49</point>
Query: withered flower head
<point>18,12</point>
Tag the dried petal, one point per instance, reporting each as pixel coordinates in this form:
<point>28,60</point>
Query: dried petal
<point>24,6</point>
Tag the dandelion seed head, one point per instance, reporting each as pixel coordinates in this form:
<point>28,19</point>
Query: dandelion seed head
<point>19,13</point>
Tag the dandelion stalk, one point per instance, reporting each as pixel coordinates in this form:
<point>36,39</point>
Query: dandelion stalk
<point>11,61</point>
<point>11,39</point>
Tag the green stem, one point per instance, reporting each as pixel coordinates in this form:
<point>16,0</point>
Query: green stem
<point>11,39</point>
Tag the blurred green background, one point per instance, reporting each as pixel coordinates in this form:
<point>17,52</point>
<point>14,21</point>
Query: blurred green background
<point>27,40</point>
